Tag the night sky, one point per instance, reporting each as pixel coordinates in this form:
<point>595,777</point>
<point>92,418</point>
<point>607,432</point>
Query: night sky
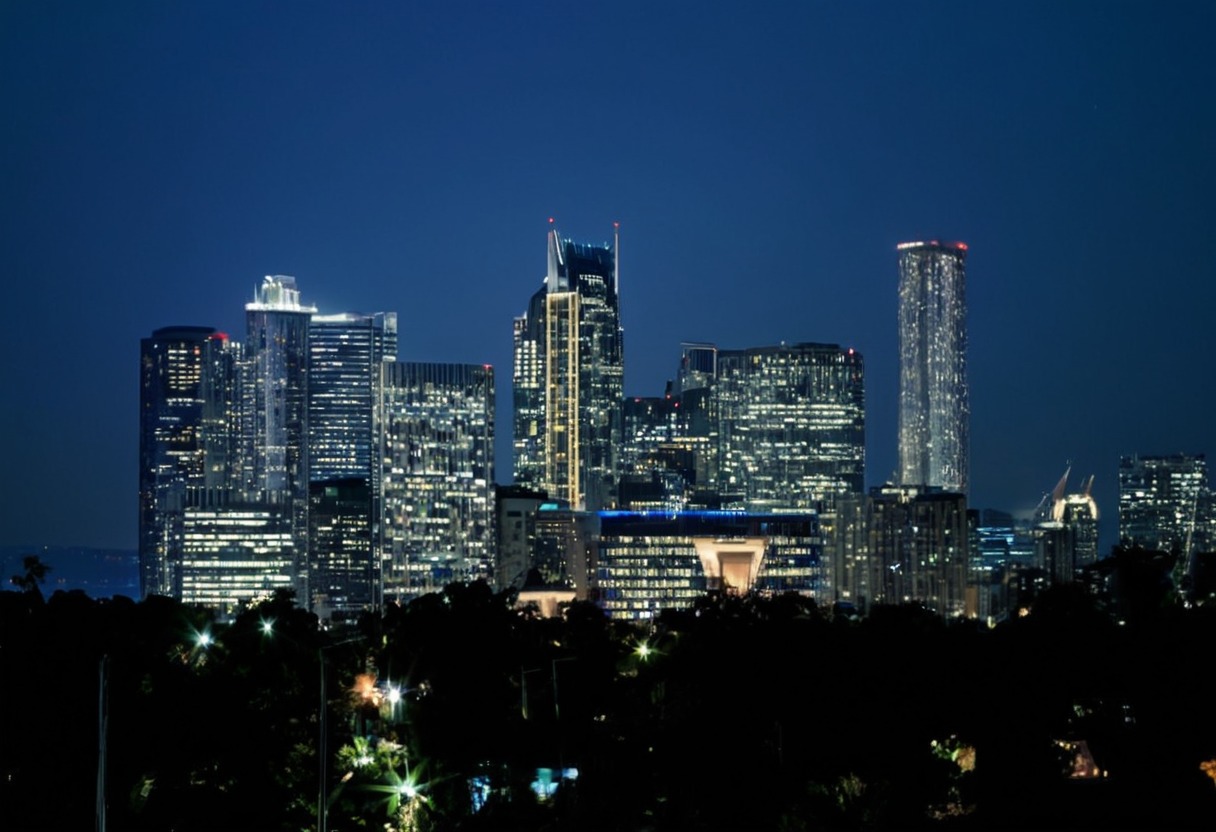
<point>157,159</point>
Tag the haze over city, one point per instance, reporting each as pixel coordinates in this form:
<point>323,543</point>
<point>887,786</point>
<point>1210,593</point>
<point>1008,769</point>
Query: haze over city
<point>763,164</point>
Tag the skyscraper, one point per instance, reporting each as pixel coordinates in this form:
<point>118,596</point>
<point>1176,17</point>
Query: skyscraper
<point>171,458</point>
<point>1163,503</point>
<point>438,475</point>
<point>275,413</point>
<point>934,412</point>
<point>569,377</point>
<point>791,425</point>
<point>346,352</point>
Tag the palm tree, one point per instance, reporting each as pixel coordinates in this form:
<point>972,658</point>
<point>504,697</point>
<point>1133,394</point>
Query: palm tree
<point>35,574</point>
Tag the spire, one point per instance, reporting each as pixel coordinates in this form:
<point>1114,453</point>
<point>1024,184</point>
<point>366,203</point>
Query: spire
<point>616,259</point>
<point>553,278</point>
<point>1057,493</point>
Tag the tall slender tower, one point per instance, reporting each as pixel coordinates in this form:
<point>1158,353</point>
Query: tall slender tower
<point>276,409</point>
<point>933,404</point>
<point>346,352</point>
<point>569,377</point>
<point>171,458</point>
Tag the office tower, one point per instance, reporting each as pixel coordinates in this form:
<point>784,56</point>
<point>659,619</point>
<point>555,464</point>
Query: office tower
<point>1164,505</point>
<point>344,558</point>
<point>275,411</point>
<point>221,432</point>
<point>569,376</point>
<point>515,536</point>
<point>563,554</point>
<point>528,395</point>
<point>934,412</point>
<point>438,475</point>
<point>344,460</point>
<point>345,354</point>
<point>918,547</point>
<point>658,470</point>
<point>171,458</point>
<point>649,561</point>
<point>1066,531</point>
<point>236,553</point>
<point>791,425</point>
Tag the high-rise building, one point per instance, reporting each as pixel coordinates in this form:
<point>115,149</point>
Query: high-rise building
<point>171,457</point>
<point>221,394</point>
<point>275,412</point>
<point>1066,531</point>
<point>438,475</point>
<point>1164,504</point>
<point>934,411</point>
<point>791,425</point>
<point>346,352</point>
<point>343,552</point>
<point>919,541</point>
<point>569,377</point>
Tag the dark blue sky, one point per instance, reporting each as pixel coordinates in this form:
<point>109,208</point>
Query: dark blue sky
<point>157,159</point>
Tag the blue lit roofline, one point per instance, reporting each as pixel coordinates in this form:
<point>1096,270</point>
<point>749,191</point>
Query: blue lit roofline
<point>734,513</point>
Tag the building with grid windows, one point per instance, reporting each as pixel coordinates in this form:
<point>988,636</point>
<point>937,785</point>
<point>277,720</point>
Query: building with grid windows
<point>790,426</point>
<point>173,363</point>
<point>1165,504</point>
<point>649,561</point>
<point>275,412</point>
<point>438,477</point>
<point>568,377</point>
<point>345,354</point>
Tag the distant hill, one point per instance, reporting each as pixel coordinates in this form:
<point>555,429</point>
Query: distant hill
<point>101,573</point>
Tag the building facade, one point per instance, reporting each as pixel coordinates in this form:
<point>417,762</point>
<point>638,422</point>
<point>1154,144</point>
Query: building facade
<point>790,425</point>
<point>438,477</point>
<point>171,448</point>
<point>1165,504</point>
<point>934,408</point>
<point>646,562</point>
<point>346,352</point>
<point>918,548</point>
<point>235,554</point>
<point>569,376</point>
<point>275,413</point>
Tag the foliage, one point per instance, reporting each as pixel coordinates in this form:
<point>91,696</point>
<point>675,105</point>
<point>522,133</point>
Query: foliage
<point>742,712</point>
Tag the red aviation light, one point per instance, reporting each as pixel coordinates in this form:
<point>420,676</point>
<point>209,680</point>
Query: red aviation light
<point>219,336</point>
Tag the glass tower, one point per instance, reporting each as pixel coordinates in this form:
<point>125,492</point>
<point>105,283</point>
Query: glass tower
<point>569,377</point>
<point>171,458</point>
<point>934,412</point>
<point>791,425</point>
<point>1163,502</point>
<point>438,475</point>
<point>275,417</point>
<point>345,354</point>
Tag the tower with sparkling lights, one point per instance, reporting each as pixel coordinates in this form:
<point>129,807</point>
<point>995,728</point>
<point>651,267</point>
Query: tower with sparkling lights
<point>934,411</point>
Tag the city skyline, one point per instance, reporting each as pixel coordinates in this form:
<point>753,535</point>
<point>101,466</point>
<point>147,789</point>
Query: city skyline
<point>158,170</point>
